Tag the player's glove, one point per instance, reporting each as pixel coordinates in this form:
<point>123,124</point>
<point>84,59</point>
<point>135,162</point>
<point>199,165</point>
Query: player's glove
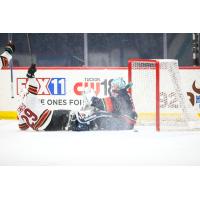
<point>10,48</point>
<point>31,71</point>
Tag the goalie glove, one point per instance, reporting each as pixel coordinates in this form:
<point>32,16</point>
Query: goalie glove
<point>31,71</point>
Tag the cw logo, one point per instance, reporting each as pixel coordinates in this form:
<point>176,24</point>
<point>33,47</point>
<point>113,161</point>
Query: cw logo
<point>103,87</point>
<point>47,86</point>
<point>80,86</point>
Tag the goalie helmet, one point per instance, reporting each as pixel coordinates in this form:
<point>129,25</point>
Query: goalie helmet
<point>117,84</point>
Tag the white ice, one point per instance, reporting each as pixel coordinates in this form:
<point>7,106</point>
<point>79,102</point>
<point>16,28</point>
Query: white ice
<point>145,147</point>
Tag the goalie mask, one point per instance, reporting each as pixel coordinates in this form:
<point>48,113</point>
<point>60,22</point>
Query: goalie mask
<point>116,85</point>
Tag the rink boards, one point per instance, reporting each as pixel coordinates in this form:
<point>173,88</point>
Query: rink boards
<point>62,87</point>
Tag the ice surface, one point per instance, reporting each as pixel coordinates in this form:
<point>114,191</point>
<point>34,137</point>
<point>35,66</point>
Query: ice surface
<point>145,147</point>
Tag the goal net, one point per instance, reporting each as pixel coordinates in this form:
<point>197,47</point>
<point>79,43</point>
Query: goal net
<point>158,95</point>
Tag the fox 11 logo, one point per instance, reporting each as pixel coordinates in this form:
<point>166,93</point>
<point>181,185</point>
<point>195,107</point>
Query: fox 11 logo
<point>46,86</point>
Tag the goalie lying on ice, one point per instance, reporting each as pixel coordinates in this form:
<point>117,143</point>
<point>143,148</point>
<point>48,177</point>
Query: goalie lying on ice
<point>116,112</point>
<point>111,113</point>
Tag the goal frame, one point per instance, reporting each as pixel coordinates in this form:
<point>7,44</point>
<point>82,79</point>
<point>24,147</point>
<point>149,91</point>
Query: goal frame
<point>156,67</point>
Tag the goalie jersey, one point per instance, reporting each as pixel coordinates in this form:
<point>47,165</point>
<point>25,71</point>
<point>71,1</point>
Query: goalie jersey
<point>31,113</point>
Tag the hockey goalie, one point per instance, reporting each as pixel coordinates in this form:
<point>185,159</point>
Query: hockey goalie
<point>115,112</point>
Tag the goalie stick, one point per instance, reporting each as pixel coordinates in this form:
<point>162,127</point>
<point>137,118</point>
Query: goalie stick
<point>86,120</point>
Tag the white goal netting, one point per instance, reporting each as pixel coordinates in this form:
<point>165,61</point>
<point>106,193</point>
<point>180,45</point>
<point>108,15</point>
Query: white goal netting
<point>159,96</point>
